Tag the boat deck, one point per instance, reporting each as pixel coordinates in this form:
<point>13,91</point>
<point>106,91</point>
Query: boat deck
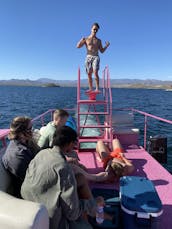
<point>146,166</point>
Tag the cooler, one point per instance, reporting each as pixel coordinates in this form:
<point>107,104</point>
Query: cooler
<point>140,203</point>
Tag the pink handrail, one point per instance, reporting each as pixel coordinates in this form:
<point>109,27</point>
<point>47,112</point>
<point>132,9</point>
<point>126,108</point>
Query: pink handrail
<point>152,116</point>
<point>108,98</point>
<point>41,117</point>
<point>145,125</point>
<point>50,111</point>
<point>79,84</point>
<point>78,97</point>
<point>146,115</point>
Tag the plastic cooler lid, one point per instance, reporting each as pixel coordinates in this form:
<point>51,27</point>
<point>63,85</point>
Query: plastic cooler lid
<point>138,194</point>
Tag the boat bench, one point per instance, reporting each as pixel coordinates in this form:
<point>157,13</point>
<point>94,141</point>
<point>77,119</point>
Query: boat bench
<point>18,213</point>
<point>123,128</point>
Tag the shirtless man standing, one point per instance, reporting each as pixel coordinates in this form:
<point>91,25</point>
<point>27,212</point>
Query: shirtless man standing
<point>93,45</point>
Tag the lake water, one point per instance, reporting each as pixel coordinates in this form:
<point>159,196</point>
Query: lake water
<point>32,101</point>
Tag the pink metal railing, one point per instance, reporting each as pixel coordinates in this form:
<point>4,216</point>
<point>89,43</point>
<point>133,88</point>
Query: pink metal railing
<point>110,99</point>
<point>42,117</point>
<point>145,123</point>
<point>50,111</point>
<point>146,115</point>
<point>78,98</point>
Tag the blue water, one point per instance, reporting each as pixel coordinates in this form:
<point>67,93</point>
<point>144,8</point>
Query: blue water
<point>32,101</point>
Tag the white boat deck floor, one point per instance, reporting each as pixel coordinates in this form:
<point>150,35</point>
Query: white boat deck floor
<point>145,166</point>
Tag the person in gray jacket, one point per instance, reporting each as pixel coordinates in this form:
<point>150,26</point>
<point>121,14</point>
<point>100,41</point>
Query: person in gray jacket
<point>50,180</point>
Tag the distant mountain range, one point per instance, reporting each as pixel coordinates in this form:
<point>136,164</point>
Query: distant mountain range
<point>128,83</point>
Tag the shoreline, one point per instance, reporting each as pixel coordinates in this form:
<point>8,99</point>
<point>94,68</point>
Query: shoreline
<point>122,86</point>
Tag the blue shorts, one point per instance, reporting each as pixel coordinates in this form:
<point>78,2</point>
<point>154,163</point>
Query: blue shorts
<point>92,63</point>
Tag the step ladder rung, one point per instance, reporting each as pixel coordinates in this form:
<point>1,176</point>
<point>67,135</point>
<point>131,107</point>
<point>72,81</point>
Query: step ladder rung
<point>84,140</point>
<point>95,126</point>
<point>94,102</point>
<point>94,113</point>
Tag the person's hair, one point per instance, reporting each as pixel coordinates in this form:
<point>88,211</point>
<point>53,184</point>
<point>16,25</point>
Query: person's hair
<point>64,135</point>
<point>117,169</point>
<point>96,24</point>
<point>19,125</point>
<point>60,113</point>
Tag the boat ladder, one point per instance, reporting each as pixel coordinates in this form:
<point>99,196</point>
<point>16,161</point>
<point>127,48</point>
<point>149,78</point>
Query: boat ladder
<point>98,110</point>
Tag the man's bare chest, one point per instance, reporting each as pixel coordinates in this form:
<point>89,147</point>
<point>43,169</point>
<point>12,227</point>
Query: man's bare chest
<point>92,42</point>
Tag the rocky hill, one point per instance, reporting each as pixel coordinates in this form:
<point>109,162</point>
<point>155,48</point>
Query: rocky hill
<point>116,83</point>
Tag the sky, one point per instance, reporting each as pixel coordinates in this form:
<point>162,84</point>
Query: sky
<point>38,38</point>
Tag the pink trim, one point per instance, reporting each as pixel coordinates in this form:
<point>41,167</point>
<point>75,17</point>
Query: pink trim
<point>3,134</point>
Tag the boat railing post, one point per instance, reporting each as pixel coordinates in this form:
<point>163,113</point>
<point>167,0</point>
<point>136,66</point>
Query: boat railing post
<point>145,132</point>
<point>103,82</point>
<point>78,99</point>
<point>42,121</point>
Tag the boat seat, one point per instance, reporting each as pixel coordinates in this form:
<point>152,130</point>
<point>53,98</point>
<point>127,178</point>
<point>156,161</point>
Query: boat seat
<point>124,129</point>
<point>18,213</point>
<point>21,214</point>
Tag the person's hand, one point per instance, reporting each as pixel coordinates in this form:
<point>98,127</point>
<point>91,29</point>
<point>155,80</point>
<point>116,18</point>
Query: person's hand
<point>81,42</point>
<point>83,39</point>
<point>100,201</point>
<point>107,43</point>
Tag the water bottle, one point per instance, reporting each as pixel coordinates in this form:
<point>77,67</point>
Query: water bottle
<point>100,210</point>
<point>100,214</point>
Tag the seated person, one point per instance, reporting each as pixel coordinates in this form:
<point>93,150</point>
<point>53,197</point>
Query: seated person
<point>50,180</point>
<point>59,119</point>
<point>114,162</point>
<point>20,151</point>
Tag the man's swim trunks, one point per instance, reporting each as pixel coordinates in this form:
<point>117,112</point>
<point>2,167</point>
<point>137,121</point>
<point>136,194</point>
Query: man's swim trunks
<point>92,63</point>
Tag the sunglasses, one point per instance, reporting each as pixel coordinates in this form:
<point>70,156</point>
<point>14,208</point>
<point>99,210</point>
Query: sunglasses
<point>95,30</point>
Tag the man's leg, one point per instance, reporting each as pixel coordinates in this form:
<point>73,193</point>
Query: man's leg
<point>90,81</point>
<point>89,70</point>
<point>96,65</point>
<point>96,79</point>
<point>117,145</point>
<point>84,191</point>
<point>102,150</point>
